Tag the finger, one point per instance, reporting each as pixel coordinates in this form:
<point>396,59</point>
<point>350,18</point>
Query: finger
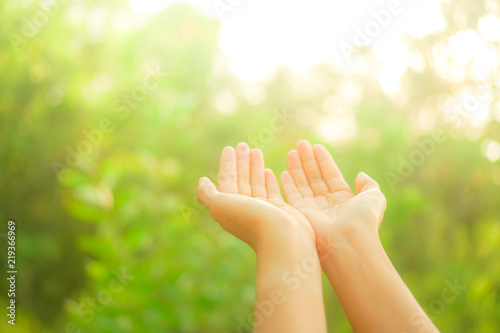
<point>370,189</point>
<point>292,194</point>
<point>243,163</point>
<point>329,170</point>
<point>297,173</point>
<point>227,181</point>
<point>206,192</point>
<point>257,176</point>
<point>272,187</point>
<point>311,168</point>
<point>364,183</point>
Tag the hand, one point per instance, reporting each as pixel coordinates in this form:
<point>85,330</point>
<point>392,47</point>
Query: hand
<point>248,202</point>
<point>314,185</point>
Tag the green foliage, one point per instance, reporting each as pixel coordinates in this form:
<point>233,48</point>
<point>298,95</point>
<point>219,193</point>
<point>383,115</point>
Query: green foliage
<point>127,207</point>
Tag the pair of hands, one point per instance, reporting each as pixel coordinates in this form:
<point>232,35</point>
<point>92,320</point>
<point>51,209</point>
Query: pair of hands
<point>320,207</point>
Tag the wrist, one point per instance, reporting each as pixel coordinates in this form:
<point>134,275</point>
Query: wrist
<point>289,282</point>
<point>291,243</point>
<point>289,261</point>
<point>361,273</point>
<point>286,236</point>
<point>344,237</point>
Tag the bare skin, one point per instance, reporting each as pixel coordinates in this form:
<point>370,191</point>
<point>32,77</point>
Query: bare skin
<point>249,205</point>
<point>324,220</point>
<point>371,291</point>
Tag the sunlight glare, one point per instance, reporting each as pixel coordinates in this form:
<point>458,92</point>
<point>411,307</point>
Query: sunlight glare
<point>149,6</point>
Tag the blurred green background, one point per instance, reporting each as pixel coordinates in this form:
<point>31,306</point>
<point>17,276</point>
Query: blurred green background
<point>108,122</point>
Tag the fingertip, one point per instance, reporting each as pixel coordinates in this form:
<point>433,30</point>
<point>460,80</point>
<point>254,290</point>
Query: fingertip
<point>257,158</point>
<point>293,160</point>
<point>319,148</point>
<point>205,181</point>
<point>364,182</point>
<point>242,147</point>
<point>303,143</point>
<point>360,175</point>
<point>269,174</point>
<point>256,152</point>
<point>358,182</point>
<point>206,189</point>
<point>228,154</point>
<point>321,153</point>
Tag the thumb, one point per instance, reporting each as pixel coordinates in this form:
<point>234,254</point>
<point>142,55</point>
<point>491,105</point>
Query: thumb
<point>206,192</point>
<point>373,196</point>
<point>364,182</point>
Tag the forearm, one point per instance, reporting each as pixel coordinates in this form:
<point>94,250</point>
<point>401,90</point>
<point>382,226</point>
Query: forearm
<point>289,294</point>
<point>371,291</point>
